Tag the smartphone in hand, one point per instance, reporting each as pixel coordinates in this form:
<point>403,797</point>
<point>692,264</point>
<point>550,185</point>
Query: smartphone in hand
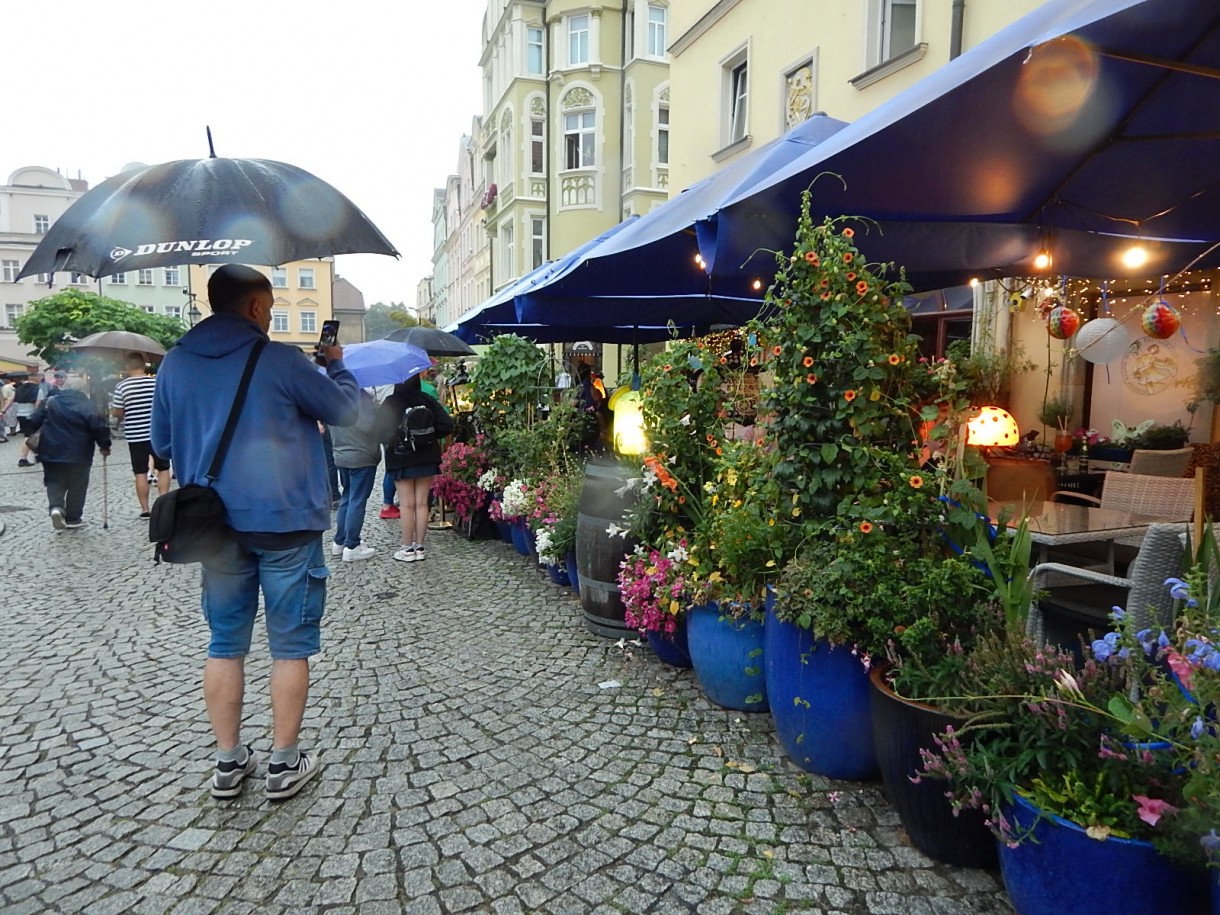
<point>329,337</point>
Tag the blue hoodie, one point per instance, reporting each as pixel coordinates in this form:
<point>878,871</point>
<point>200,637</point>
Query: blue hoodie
<point>274,477</point>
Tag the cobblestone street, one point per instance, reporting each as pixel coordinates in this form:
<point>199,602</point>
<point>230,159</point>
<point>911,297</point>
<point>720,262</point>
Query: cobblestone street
<point>472,760</point>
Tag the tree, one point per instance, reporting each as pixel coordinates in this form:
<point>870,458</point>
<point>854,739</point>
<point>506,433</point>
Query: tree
<point>381,320</point>
<point>51,324</point>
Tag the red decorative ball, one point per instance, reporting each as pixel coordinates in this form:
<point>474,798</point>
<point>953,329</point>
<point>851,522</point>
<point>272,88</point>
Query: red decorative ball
<point>1160,320</point>
<point>1062,322</point>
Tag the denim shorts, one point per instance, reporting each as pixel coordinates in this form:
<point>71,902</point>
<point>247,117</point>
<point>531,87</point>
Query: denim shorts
<point>293,583</point>
<point>415,473</point>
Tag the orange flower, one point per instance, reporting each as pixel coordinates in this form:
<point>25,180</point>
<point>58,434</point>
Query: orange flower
<point>861,287</point>
<point>825,296</point>
<point>825,282</point>
<point>811,378</point>
<point>894,359</point>
<point>849,233</point>
<point>866,527</point>
<point>711,439</point>
<point>811,258</point>
<point>753,360</point>
<point>807,361</point>
<point>668,367</point>
<point>723,360</point>
<point>847,257</point>
<point>851,276</point>
<point>916,482</point>
<point>719,452</point>
<point>776,350</point>
<point>849,396</point>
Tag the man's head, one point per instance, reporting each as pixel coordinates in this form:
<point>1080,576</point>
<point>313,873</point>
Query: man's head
<point>134,363</point>
<point>243,291</point>
<point>59,379</point>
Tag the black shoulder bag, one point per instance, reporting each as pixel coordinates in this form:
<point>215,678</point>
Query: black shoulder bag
<point>189,523</point>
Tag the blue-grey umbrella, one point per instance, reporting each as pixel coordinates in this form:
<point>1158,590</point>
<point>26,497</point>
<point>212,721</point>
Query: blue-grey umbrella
<point>432,340</point>
<point>205,211</point>
<point>384,361</point>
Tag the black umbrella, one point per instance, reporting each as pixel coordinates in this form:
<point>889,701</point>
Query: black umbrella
<point>433,341</point>
<point>205,211</point>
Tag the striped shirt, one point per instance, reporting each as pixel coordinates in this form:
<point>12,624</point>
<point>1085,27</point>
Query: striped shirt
<point>134,396</point>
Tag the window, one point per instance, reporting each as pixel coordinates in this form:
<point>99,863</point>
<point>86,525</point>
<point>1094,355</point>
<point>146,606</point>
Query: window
<point>533,52</point>
<point>897,27</point>
<point>279,278</point>
<point>578,40</point>
<point>44,278</point>
<point>79,279</point>
<point>118,279</point>
<point>309,322</point>
<point>663,135</point>
<point>579,136</point>
<point>279,321</point>
<point>174,311</point>
<point>149,309</point>
<point>12,313</point>
<point>657,30</point>
<point>506,239</point>
<point>145,278</point>
<point>738,101</point>
<point>172,277</point>
<point>537,146</point>
<point>305,280</point>
<point>504,161</point>
<point>10,270</point>
<point>537,241</point>
<point>41,224</point>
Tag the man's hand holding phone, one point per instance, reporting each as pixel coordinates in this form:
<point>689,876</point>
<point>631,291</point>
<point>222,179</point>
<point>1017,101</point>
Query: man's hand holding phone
<point>328,348</point>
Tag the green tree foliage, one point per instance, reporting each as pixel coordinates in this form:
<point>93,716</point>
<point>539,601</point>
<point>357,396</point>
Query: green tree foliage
<point>51,324</point>
<point>381,320</point>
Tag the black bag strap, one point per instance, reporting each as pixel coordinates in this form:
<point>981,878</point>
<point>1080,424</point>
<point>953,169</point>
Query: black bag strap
<point>239,401</point>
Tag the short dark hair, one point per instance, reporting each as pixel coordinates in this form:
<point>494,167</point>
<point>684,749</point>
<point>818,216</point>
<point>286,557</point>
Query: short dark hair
<point>232,284</point>
<point>135,361</point>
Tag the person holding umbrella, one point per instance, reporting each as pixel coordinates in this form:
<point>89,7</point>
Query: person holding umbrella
<point>71,427</point>
<point>132,406</point>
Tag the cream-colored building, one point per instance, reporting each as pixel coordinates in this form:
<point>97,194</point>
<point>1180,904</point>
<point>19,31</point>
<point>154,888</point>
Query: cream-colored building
<point>461,259</point>
<point>745,71</point>
<point>304,298</point>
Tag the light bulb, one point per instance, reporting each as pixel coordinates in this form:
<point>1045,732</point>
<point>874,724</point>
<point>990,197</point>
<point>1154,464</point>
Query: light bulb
<point>758,284</point>
<point>1135,257</point>
<point>974,281</point>
<point>1043,260</point>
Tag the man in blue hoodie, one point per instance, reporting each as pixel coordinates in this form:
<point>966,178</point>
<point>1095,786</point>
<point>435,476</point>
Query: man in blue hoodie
<point>274,487</point>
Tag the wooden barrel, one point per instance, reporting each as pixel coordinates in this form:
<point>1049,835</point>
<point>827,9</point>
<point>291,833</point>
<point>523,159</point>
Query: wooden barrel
<point>598,554</point>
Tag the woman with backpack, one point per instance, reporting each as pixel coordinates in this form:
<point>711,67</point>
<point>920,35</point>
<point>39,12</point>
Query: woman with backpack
<point>412,425</point>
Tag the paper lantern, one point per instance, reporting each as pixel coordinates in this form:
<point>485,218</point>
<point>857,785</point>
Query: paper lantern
<point>1062,322</point>
<point>629,435</point>
<point>992,428</point>
<point>1102,340</point>
<point>1160,320</point>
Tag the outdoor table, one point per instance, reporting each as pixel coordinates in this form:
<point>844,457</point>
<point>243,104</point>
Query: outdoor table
<point>1053,524</point>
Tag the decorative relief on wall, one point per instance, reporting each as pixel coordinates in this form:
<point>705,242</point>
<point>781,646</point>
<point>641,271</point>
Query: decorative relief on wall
<point>1150,366</point>
<point>506,120</point>
<point>538,188</point>
<point>537,107</point>
<point>577,190</point>
<point>798,101</point>
<point>578,98</point>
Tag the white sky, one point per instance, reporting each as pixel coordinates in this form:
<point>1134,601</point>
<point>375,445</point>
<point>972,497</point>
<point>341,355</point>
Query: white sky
<point>378,93</point>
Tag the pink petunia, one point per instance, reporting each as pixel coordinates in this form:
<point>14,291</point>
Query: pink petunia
<point>1152,809</point>
<point>1180,666</point>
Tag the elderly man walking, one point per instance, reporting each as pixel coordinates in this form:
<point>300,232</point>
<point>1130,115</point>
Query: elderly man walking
<point>274,487</point>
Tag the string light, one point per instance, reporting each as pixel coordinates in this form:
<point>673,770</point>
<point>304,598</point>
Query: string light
<point>699,259</point>
<point>1043,260</point>
<point>1135,257</point>
<point>757,285</point>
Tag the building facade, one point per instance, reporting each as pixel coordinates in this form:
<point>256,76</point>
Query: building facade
<point>303,293</point>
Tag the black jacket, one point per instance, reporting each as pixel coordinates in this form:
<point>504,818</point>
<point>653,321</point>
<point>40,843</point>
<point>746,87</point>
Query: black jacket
<point>70,428</point>
<point>390,415</point>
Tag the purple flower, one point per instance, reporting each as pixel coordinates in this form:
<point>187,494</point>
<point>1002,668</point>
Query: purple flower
<point>1196,729</point>
<point>1105,647</point>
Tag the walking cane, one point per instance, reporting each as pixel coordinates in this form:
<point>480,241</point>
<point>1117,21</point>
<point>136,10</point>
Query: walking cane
<point>105,497</point>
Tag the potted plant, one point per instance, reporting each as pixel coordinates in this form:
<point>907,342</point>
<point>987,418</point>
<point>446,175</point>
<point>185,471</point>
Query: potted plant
<point>462,466</point>
<point>656,593</point>
<point>1057,414</point>
<point>554,518</point>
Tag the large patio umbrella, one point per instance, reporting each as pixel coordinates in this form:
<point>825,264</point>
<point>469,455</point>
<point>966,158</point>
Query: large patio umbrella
<point>1079,129</point>
<point>205,211</point>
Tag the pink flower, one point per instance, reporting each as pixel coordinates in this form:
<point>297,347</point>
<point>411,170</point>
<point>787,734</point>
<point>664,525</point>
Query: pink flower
<point>1152,809</point>
<point>1180,666</point>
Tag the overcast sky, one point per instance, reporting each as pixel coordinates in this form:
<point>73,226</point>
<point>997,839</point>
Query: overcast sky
<point>372,96</point>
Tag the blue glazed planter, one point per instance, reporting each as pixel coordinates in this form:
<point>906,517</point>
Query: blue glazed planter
<point>569,562</point>
<point>673,649</point>
<point>558,574</point>
<point>519,535</point>
<point>727,655</point>
<point>820,702</point>
<point>505,530</point>
<point>1060,869</point>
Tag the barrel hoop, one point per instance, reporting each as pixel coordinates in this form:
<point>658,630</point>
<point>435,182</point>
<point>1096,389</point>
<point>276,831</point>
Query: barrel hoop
<point>596,585</point>
<point>599,521</point>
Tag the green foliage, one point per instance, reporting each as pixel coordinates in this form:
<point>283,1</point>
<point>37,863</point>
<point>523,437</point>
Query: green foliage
<point>1056,413</point>
<point>1159,437</point>
<point>382,320</point>
<point>51,323</point>
<point>987,373</point>
<point>508,383</point>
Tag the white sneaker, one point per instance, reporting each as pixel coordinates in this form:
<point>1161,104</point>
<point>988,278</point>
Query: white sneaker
<point>57,519</point>
<point>405,554</point>
<point>419,554</point>
<point>355,554</point>
<point>336,549</point>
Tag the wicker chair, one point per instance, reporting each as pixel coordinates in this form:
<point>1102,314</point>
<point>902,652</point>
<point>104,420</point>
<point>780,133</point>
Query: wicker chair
<point>1087,602</point>
<point>1207,455</point>
<point>1161,463</point>
<point>1169,498</point>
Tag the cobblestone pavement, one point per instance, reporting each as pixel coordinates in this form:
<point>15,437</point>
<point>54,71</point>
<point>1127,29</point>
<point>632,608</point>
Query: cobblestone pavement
<point>471,760</point>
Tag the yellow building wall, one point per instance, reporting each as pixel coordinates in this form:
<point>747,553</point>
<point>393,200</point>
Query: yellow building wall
<point>292,299</point>
<point>779,36</point>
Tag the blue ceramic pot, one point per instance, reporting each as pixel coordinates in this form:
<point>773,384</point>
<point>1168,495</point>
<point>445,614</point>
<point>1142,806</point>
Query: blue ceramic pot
<point>505,530</point>
<point>558,574</point>
<point>519,537</point>
<point>569,562</point>
<point>820,702</point>
<point>672,649</point>
<point>727,655</point>
<point>1060,869</point>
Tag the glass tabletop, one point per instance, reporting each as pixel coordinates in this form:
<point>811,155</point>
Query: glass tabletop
<point>1055,520</point>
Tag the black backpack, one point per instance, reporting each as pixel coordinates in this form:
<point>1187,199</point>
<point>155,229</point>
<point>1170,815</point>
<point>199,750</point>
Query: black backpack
<point>26,392</point>
<point>416,430</point>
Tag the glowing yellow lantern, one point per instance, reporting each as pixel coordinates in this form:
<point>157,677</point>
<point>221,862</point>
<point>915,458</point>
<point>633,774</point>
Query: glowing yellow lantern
<point>628,423</point>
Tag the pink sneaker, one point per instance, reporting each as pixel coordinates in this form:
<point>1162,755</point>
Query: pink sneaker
<point>390,511</point>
